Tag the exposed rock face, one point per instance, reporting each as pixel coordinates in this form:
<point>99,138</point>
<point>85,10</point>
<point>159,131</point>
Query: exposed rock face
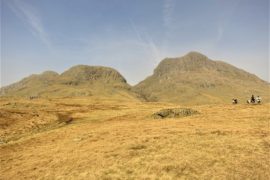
<point>89,74</point>
<point>194,78</point>
<point>174,113</point>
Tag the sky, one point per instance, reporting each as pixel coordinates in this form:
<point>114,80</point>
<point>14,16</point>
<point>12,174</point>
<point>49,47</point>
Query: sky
<point>132,36</point>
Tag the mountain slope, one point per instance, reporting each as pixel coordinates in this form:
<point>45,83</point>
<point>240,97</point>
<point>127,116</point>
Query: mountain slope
<point>191,79</point>
<point>81,80</point>
<point>194,78</point>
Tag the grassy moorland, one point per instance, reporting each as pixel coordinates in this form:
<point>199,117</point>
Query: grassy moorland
<point>94,138</point>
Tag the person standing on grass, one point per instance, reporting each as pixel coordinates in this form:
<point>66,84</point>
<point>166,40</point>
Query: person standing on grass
<point>258,99</point>
<point>234,101</point>
<point>252,100</point>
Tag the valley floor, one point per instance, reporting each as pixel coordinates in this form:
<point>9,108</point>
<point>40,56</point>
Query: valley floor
<point>111,139</point>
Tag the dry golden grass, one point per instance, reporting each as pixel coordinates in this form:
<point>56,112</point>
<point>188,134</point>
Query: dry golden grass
<point>110,139</point>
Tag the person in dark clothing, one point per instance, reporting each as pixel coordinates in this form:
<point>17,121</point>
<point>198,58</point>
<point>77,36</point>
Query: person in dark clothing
<point>234,101</point>
<point>252,100</point>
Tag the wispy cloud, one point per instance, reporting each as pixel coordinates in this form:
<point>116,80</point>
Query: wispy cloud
<point>220,31</point>
<point>167,12</point>
<point>225,18</point>
<point>147,42</point>
<point>30,16</point>
<point>135,29</point>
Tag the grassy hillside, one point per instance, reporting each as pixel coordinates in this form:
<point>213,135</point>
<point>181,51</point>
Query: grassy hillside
<point>196,79</point>
<point>112,139</point>
<point>191,79</point>
<point>79,80</point>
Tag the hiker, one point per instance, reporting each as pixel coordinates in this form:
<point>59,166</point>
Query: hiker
<point>252,99</point>
<point>258,99</point>
<point>235,101</point>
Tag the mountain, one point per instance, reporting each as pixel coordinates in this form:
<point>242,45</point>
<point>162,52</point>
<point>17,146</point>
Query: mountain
<point>196,79</point>
<point>191,79</point>
<point>80,80</point>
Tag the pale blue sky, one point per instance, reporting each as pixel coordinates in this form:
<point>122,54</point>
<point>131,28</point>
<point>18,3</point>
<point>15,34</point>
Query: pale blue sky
<point>132,36</point>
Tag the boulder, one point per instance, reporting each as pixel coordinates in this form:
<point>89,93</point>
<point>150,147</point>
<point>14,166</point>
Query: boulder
<point>174,113</point>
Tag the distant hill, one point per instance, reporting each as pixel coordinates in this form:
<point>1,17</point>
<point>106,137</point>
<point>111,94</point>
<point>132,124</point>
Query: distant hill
<point>191,79</point>
<point>196,79</point>
<point>81,80</point>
